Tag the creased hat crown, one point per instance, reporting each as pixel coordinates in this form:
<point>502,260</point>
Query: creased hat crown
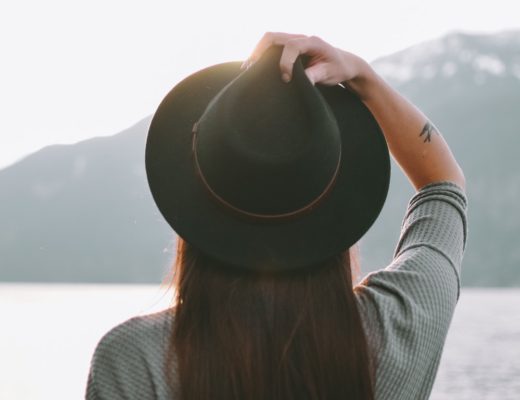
<point>265,147</point>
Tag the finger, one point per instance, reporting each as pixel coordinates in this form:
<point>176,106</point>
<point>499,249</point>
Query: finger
<point>317,73</point>
<point>292,50</point>
<point>269,39</point>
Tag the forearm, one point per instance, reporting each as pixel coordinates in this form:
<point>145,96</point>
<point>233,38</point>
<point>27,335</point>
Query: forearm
<point>414,142</point>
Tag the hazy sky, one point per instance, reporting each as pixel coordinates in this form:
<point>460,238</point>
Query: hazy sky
<point>73,69</point>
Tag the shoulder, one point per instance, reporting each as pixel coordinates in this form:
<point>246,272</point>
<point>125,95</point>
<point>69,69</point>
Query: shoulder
<point>137,328</point>
<point>129,359</point>
<point>419,286</point>
<point>406,310</point>
<point>140,338</point>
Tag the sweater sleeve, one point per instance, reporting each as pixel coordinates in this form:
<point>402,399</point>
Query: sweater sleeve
<point>407,307</point>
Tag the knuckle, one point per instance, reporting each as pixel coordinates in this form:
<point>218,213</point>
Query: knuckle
<point>316,39</point>
<point>268,37</point>
<point>290,43</point>
<point>295,43</point>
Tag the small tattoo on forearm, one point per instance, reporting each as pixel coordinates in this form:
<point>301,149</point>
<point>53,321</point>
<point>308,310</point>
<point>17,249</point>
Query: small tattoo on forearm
<point>428,129</point>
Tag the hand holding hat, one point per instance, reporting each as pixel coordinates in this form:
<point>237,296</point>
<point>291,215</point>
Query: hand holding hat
<point>326,65</point>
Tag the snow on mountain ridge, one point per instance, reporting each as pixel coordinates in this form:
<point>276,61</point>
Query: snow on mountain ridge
<point>479,55</point>
<point>489,63</point>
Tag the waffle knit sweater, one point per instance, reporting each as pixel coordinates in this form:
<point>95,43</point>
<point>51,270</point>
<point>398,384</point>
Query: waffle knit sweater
<point>406,310</point>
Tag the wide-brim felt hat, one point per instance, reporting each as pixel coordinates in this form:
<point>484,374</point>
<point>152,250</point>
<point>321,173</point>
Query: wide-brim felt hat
<point>266,175</point>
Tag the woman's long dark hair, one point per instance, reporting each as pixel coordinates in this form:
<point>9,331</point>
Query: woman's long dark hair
<point>239,335</point>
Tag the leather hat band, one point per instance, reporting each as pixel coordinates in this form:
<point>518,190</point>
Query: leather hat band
<point>245,213</point>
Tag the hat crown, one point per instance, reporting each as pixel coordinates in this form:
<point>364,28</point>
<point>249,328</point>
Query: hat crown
<point>265,147</point>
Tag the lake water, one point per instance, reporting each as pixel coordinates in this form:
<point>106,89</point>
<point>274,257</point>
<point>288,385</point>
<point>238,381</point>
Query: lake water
<point>48,334</point>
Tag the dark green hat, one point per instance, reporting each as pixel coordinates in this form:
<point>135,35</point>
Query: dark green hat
<point>263,174</point>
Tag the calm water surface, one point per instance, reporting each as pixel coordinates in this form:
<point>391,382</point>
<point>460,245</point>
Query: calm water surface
<point>49,332</point>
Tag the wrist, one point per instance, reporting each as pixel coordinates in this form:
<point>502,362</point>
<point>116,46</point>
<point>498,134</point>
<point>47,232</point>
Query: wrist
<point>364,81</point>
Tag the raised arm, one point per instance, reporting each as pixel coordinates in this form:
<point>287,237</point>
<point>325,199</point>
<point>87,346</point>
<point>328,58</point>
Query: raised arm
<point>414,141</point>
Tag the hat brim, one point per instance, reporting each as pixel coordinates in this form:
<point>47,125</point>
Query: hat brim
<point>339,221</point>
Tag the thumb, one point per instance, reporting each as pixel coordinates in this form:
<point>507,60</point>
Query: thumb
<point>316,73</point>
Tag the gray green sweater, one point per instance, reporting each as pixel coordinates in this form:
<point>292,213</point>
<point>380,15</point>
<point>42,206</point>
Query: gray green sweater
<point>406,308</point>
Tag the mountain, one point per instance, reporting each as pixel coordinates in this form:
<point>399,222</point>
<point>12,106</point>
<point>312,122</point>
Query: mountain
<point>469,86</point>
<point>83,212</point>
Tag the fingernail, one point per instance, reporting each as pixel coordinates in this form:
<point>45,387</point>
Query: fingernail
<point>244,64</point>
<point>286,77</point>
